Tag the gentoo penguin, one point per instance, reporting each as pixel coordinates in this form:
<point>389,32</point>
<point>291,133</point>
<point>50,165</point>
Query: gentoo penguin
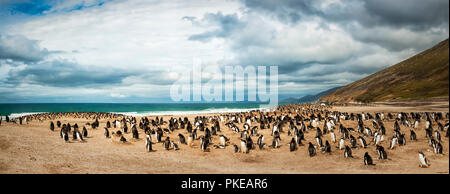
<point>58,124</point>
<point>333,136</point>
<point>311,150</point>
<point>368,159</point>
<point>52,126</point>
<point>401,140</point>
<point>327,147</point>
<point>79,135</point>
<point>135,133</point>
<point>85,132</point>
<point>260,142</point>
<point>413,136</point>
<point>319,141</point>
<point>318,132</point>
<point>249,143</point>
<point>382,155</point>
<point>181,139</point>
<point>394,140</point>
<point>236,148</point>
<point>341,143</point>
<point>378,138</point>
<point>167,143</point>
<point>348,152</point>
<point>148,143</point>
<point>353,141</point>
<point>223,140</point>
<point>428,133</point>
<point>277,135</point>
<point>174,145</point>
<point>276,142</point>
<point>423,160</point>
<point>437,135</point>
<point>362,141</point>
<point>123,139</point>
<point>106,132</point>
<point>244,146</point>
<point>437,147</point>
<point>293,145</point>
<point>65,136</point>
<point>190,141</point>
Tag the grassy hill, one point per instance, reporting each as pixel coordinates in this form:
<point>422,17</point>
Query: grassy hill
<point>308,98</point>
<point>422,76</point>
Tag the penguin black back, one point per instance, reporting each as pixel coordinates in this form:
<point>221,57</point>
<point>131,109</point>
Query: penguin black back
<point>367,159</point>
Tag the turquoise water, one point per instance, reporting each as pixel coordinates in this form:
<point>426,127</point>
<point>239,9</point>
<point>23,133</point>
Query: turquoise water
<point>136,109</point>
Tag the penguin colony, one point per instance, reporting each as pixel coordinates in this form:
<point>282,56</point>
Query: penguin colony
<point>288,121</point>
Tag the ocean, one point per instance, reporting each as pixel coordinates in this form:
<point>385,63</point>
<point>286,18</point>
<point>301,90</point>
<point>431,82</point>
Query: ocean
<point>131,109</point>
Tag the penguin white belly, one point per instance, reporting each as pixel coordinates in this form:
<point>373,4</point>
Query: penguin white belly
<point>222,141</point>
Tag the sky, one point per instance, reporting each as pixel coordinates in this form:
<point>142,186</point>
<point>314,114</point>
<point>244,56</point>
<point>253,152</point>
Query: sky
<point>133,51</point>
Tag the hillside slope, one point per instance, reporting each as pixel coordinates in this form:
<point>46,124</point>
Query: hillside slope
<point>308,98</point>
<point>422,76</point>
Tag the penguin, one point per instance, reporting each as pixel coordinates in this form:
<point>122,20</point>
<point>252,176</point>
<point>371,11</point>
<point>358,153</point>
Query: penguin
<point>85,132</point>
<point>333,136</point>
<point>437,135</point>
<point>79,135</point>
<point>367,159</point>
<point>52,126</point>
<point>65,136</point>
<point>58,124</point>
<point>106,132</point>
<point>382,155</point>
<point>311,150</point>
<point>249,143</point>
<point>437,147</point>
<point>166,143</point>
<point>223,140</point>
<point>327,147</point>
<point>428,133</point>
<point>348,152</point>
<point>181,139</point>
<point>276,142</point>
<point>148,144</point>
<point>341,143</point>
<point>244,146</point>
<point>353,141</point>
<point>174,145</point>
<point>394,140</point>
<point>293,145</point>
<point>123,139</point>
<point>378,139</point>
<point>319,141</point>
<point>260,142</point>
<point>402,140</point>
<point>236,148</point>
<point>423,160</point>
<point>135,133</point>
<point>412,136</point>
<point>362,141</point>
<point>203,144</point>
<point>190,141</point>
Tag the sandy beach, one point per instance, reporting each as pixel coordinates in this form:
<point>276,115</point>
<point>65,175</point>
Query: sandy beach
<point>33,148</point>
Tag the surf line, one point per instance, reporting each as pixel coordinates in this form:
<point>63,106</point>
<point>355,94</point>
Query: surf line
<point>192,184</point>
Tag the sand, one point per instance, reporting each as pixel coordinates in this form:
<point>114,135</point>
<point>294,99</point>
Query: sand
<point>33,148</point>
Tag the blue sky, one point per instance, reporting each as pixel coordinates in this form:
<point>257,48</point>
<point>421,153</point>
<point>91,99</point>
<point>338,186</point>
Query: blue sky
<point>133,51</point>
